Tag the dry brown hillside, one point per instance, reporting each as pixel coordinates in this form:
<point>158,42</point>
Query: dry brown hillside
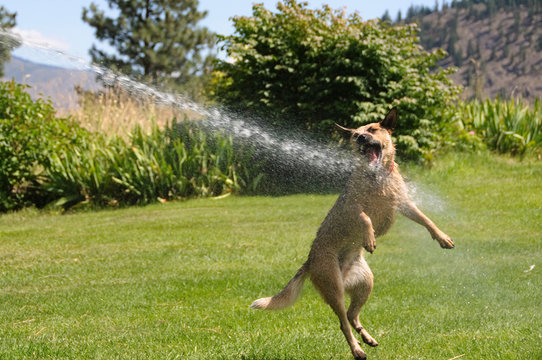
<point>497,53</point>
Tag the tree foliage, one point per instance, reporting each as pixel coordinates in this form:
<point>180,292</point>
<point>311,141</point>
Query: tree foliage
<point>7,21</point>
<point>158,41</point>
<point>314,68</point>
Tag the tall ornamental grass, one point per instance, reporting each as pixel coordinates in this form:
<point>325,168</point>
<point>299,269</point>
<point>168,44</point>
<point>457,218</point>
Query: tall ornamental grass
<point>114,111</point>
<point>506,126</point>
<point>177,162</point>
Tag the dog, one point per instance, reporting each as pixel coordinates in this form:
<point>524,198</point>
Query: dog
<point>364,210</point>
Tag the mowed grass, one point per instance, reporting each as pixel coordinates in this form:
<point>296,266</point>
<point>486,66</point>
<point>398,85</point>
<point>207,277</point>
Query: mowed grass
<point>174,281</point>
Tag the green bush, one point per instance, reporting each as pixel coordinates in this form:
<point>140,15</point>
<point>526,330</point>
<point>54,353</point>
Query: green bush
<point>30,133</point>
<point>311,68</point>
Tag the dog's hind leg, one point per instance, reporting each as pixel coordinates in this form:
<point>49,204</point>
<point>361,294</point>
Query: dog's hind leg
<point>329,283</point>
<point>358,280</point>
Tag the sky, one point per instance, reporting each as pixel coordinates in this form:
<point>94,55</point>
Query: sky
<point>57,24</point>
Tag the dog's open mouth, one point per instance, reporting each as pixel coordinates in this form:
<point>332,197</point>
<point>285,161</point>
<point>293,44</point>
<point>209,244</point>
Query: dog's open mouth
<point>373,153</point>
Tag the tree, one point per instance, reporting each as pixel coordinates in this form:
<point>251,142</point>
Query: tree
<point>312,68</point>
<point>470,49</point>
<point>386,17</point>
<point>7,43</point>
<point>157,41</point>
<point>457,56</point>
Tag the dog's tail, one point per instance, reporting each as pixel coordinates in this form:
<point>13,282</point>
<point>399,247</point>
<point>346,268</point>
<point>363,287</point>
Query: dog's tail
<point>288,296</point>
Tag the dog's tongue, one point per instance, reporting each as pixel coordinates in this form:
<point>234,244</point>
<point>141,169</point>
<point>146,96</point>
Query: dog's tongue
<point>372,156</point>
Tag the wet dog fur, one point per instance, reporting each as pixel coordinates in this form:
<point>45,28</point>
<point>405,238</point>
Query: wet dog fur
<point>364,211</point>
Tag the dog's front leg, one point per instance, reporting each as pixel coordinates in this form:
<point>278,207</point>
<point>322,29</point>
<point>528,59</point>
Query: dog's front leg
<point>368,233</point>
<point>411,211</point>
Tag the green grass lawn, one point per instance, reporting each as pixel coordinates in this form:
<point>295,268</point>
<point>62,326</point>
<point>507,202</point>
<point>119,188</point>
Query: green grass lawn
<point>175,281</point>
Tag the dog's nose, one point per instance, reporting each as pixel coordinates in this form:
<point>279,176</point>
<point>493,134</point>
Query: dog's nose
<point>362,138</point>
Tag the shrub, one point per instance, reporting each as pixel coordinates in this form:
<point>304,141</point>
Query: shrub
<point>30,133</point>
<point>311,68</point>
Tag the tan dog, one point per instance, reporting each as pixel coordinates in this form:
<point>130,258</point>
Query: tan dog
<point>364,210</point>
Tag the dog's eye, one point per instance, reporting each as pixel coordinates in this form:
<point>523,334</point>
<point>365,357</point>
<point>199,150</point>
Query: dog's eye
<point>371,130</point>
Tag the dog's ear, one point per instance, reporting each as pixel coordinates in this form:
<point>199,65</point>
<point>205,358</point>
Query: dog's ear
<point>345,132</point>
<point>390,121</point>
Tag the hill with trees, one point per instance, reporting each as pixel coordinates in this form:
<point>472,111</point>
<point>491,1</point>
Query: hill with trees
<point>496,44</point>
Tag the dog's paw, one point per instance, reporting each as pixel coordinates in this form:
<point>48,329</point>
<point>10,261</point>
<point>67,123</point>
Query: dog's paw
<point>370,246</point>
<point>358,353</point>
<point>445,241</point>
<point>367,338</point>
